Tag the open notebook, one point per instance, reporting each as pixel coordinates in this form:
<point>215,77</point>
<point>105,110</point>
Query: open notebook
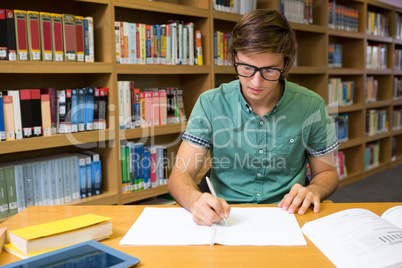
<point>258,226</point>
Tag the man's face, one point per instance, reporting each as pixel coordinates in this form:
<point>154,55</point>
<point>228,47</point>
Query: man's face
<point>257,90</point>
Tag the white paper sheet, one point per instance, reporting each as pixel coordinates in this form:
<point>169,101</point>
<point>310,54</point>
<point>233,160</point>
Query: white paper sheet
<point>247,226</point>
<point>357,238</point>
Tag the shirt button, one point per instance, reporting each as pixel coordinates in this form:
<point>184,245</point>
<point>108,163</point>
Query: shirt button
<point>261,123</point>
<point>260,151</point>
<point>258,174</point>
<point>291,140</point>
<point>258,194</point>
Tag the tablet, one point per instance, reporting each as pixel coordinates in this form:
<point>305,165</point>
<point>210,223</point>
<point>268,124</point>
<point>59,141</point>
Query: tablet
<point>85,254</point>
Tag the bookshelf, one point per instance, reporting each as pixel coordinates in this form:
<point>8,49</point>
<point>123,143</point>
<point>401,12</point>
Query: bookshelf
<point>311,71</point>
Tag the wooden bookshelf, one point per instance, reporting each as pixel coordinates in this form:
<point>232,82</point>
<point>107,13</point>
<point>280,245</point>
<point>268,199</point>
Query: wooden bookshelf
<point>311,70</point>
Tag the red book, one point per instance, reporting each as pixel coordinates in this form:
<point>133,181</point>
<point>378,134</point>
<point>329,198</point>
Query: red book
<point>79,37</point>
<point>46,36</point>
<point>33,35</point>
<point>69,37</point>
<point>21,34</point>
<point>57,37</point>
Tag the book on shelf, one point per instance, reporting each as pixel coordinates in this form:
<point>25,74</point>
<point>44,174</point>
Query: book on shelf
<point>340,122</point>
<point>89,39</point>
<point>46,36</point>
<point>21,34</point>
<point>8,110</point>
<point>371,155</point>
<point>3,36</point>
<point>17,113</point>
<point>376,241</point>
<point>2,126</point>
<point>57,37</point>
<point>69,43</point>
<point>53,106</point>
<point>60,233</point>
<point>11,39</point>
<point>34,45</point>
<point>198,57</point>
<point>61,111</point>
<point>36,112</point>
<point>340,164</point>
<point>26,113</point>
<point>342,18</point>
<point>79,38</point>
<point>340,93</point>
<point>243,228</point>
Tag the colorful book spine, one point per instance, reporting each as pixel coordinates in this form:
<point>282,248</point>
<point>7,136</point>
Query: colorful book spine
<point>74,110</point>
<point>36,112</point>
<point>17,113</point>
<point>46,115</point>
<point>11,38</point>
<point>8,117</point>
<point>90,42</point>
<point>69,43</point>
<point>3,36</point>
<point>26,112</point>
<point>2,127</point>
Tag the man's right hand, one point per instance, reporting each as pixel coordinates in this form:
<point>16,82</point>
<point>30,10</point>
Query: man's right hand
<point>208,210</point>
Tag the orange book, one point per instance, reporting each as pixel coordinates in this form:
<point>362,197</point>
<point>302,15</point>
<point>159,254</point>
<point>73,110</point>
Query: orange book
<point>198,47</point>
<point>46,115</point>
<point>9,117</point>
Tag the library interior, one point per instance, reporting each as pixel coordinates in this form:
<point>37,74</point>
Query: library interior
<point>95,98</point>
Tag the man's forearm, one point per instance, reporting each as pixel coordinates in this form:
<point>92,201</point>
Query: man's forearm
<point>325,184</point>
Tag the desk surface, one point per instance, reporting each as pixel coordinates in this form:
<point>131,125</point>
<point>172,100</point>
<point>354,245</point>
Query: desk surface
<point>123,218</point>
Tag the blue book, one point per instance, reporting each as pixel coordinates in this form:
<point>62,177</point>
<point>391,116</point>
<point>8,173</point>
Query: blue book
<point>146,165</point>
<point>96,172</point>
<point>86,40</point>
<point>82,175</point>
<point>74,110</point>
<point>88,170</point>
<point>81,108</point>
<point>2,128</point>
<point>89,108</point>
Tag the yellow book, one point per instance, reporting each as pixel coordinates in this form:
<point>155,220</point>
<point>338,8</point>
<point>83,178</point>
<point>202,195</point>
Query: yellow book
<point>60,233</point>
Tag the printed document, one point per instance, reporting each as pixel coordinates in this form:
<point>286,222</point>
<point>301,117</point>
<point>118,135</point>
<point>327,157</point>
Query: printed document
<point>259,226</point>
<point>359,237</point>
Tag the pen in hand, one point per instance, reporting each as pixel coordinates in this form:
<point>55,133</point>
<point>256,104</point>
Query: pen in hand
<point>212,190</point>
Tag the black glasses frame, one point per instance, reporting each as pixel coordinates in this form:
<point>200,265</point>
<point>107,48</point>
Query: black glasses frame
<point>256,69</point>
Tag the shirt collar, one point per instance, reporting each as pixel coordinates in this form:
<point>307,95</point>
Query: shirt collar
<point>247,108</point>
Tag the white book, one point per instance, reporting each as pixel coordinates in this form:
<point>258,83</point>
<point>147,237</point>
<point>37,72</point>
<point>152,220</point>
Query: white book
<point>190,28</point>
<point>173,42</point>
<point>28,185</point>
<point>17,113</point>
<point>66,178</point>
<point>127,104</point>
<point>359,238</point>
<point>245,228</point>
<point>37,182</point>
<point>121,95</point>
<point>75,183</point>
<point>52,182</point>
<point>19,187</point>
<point>44,177</point>
<point>132,43</point>
<point>91,39</point>
<point>59,182</point>
<point>117,41</point>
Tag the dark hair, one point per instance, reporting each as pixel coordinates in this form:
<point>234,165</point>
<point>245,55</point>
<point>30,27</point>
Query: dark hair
<point>264,31</point>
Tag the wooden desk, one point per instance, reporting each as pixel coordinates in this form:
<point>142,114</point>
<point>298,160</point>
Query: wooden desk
<point>123,218</point>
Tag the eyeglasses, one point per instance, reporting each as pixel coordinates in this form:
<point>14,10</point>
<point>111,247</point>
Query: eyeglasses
<point>268,73</point>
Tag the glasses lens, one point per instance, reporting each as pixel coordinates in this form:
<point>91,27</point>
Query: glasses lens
<point>270,74</point>
<point>245,70</point>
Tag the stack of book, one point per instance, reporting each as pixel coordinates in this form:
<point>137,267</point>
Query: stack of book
<point>29,113</point>
<point>340,122</point>
<point>340,93</point>
<point>236,6</point>
<point>376,56</point>
<point>300,11</point>
<point>377,24</point>
<point>142,166</point>
<point>150,107</point>
<point>340,164</point>
<point>376,122</point>
<point>221,44</point>
<point>335,55</point>
<point>342,18</point>
<point>175,42</point>
<point>371,89</point>
<point>371,155</point>
<point>37,239</point>
<point>42,36</point>
<point>48,181</point>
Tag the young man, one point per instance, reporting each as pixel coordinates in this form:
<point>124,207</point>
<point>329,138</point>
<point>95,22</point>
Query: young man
<point>261,130</point>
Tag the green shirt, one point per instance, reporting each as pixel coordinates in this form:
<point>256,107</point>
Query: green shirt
<point>257,159</point>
